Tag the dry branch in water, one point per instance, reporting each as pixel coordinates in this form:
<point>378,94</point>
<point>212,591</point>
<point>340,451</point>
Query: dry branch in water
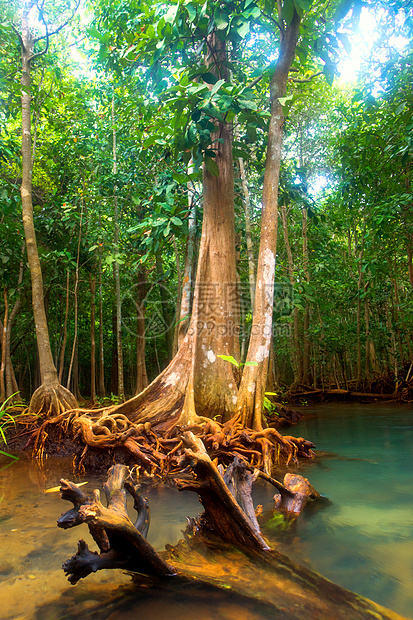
<point>256,571</point>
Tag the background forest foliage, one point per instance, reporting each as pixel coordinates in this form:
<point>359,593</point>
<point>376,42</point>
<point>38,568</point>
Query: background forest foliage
<point>122,112</point>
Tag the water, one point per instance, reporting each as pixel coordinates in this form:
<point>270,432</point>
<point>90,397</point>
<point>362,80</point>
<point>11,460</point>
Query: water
<point>363,540</point>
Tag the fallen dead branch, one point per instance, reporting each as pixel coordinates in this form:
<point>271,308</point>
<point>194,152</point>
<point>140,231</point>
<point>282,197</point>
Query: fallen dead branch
<point>248,566</point>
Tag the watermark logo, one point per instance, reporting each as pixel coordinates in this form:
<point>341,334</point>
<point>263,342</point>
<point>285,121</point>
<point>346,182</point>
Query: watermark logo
<point>153,314</point>
<point>155,310</point>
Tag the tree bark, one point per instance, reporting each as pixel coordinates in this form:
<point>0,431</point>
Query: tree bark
<point>141,375</point>
<point>92,286</point>
<point>63,349</point>
<point>248,235</point>
<point>188,275</point>
<point>50,398</point>
<point>306,337</point>
<point>3,346</point>
<point>166,314</point>
<point>295,345</point>
<point>101,343</point>
<point>251,393</point>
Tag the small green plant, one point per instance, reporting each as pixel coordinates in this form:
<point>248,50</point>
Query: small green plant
<point>268,405</point>
<point>277,523</point>
<point>233,361</point>
<point>105,401</point>
<point>6,420</point>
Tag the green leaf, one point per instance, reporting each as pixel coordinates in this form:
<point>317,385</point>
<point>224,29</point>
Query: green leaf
<point>251,364</point>
<point>284,100</point>
<point>229,358</point>
<point>221,20</point>
<point>191,12</point>
<point>176,221</point>
<point>305,5</point>
<point>211,166</point>
<point>401,107</point>
<point>217,86</point>
<point>287,12</point>
<point>243,29</point>
<point>180,178</point>
<point>209,78</point>
<point>171,14</point>
<point>94,32</point>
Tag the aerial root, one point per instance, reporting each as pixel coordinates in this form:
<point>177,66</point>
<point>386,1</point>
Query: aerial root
<point>160,452</point>
<point>51,401</point>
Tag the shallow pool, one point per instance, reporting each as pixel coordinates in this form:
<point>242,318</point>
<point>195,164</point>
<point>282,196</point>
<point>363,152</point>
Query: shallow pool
<point>363,540</point>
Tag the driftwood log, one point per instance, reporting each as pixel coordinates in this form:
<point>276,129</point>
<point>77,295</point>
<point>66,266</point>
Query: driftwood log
<point>244,564</point>
<point>122,544</point>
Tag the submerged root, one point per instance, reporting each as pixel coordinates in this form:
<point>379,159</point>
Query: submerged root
<point>159,451</point>
<point>52,401</point>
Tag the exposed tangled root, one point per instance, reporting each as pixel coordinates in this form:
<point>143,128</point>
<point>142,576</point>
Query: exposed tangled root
<point>160,452</point>
<point>50,402</point>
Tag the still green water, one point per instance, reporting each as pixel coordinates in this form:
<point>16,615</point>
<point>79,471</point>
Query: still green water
<point>363,540</point>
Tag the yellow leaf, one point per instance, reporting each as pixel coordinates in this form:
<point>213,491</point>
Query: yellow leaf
<point>57,489</point>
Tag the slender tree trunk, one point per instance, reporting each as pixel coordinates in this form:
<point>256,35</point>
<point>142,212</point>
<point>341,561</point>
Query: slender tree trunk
<point>178,297</point>
<point>295,345</point>
<point>92,286</point>
<point>410,264</point>
<point>76,300</point>
<point>63,349</point>
<point>392,350</point>
<point>121,388</point>
<point>359,290</point>
<point>254,378</point>
<point>188,275</point>
<point>306,324</point>
<point>248,235</point>
<point>166,313</point>
<point>50,397</point>
<point>3,346</point>
<point>101,343</point>
<point>141,375</point>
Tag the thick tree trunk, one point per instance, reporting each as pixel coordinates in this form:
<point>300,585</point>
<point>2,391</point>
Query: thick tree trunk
<point>50,398</point>
<point>178,296</point>
<point>197,382</point>
<point>251,393</point>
